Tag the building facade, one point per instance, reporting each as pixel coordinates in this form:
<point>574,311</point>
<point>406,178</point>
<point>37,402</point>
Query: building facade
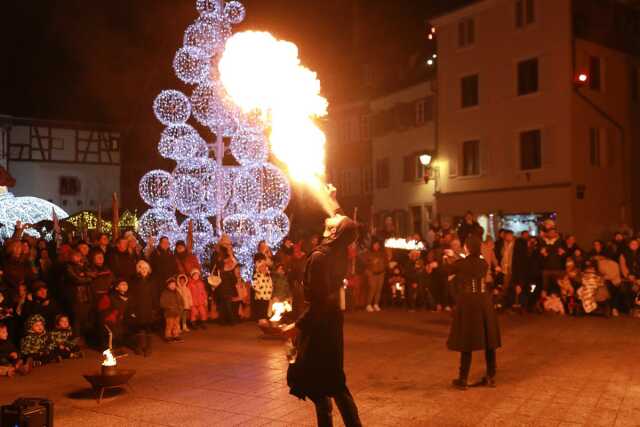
<point>373,156</point>
<point>534,118</point>
<point>75,166</point>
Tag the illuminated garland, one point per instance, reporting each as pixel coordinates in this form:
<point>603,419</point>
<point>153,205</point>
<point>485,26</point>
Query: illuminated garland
<point>248,200</point>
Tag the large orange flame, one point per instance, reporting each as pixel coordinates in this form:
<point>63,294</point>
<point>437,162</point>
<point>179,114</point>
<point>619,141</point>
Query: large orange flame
<point>261,73</point>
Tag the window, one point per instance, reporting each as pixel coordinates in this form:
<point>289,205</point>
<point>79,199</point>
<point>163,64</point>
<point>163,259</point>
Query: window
<point>528,76</point>
<point>366,181</point>
<point>635,83</point>
<point>413,169</point>
<point>470,96</point>
<point>424,110</point>
<point>57,143</point>
<point>595,71</point>
<point>471,158</point>
<point>466,32</point>
<point>365,129</point>
<point>525,13</point>
<point>382,173</point>
<point>69,186</point>
<point>531,150</point>
<point>594,147</point>
<point>416,219</point>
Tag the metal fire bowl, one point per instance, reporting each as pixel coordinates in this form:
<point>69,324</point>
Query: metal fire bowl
<point>270,329</point>
<point>120,377</point>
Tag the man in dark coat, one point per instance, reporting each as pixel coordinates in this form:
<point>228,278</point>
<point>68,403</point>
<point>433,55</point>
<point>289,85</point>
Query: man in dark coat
<point>318,372</point>
<point>163,262</point>
<point>121,263</point>
<point>475,324</point>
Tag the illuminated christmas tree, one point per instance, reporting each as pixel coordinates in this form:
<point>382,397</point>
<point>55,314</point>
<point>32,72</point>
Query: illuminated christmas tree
<point>246,202</point>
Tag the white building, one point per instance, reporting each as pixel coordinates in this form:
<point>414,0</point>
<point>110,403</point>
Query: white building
<point>74,165</point>
<point>403,128</point>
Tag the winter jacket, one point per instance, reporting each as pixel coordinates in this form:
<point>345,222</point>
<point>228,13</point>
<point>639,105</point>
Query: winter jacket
<point>62,338</point>
<point>198,292</point>
<point>16,271</point>
<point>33,344</point>
<point>102,282</point>
<point>262,286</point>
<point>163,265</point>
<point>171,303</point>
<point>187,262</point>
<point>185,293</point>
<point>6,348</point>
<point>78,284</point>
<point>122,264</point>
<point>143,303</point>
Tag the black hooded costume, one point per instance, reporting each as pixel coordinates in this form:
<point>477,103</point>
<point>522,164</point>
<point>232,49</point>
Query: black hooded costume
<point>318,372</point>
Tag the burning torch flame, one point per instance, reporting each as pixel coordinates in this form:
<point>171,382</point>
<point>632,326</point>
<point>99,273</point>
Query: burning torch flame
<point>109,360</point>
<point>279,308</point>
<point>263,74</point>
<point>409,245</point>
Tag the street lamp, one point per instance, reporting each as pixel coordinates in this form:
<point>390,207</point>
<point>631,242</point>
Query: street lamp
<point>425,161</point>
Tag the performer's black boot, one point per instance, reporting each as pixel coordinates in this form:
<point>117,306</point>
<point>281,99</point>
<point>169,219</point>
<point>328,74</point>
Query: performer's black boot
<point>465,365</point>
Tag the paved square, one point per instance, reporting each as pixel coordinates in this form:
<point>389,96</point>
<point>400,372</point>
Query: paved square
<point>552,371</point>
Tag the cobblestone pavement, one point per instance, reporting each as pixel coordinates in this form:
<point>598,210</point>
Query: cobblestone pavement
<point>552,371</point>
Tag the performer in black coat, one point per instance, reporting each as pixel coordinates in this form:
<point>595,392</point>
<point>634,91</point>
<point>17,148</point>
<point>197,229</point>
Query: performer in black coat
<point>475,323</point>
<point>318,372</point>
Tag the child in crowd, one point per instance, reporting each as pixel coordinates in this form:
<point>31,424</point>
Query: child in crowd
<point>63,339</point>
<point>10,361</point>
<point>281,290</point>
<point>243,299</point>
<point>115,315</point>
<point>199,300</point>
<point>187,300</point>
<point>397,282</point>
<point>551,302</point>
<point>262,286</point>
<point>172,307</point>
<point>37,343</point>
<point>567,294</point>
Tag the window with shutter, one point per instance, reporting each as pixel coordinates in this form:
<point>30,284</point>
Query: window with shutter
<point>528,76</point>
<point>471,158</point>
<point>530,150</point>
<point>469,90</point>
<point>466,32</point>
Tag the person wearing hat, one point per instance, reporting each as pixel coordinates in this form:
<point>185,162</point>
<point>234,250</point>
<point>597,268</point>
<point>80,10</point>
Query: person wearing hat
<point>318,372</point>
<point>475,323</point>
<point>41,303</point>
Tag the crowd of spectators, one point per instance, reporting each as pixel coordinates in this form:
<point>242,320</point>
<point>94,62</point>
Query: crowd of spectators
<point>543,273</point>
<point>57,299</point>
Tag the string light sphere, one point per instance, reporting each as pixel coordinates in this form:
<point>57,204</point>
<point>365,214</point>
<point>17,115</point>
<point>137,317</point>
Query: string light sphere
<point>206,6</point>
<point>156,189</point>
<point>27,210</point>
<point>208,33</point>
<point>241,229</point>
<point>212,109</point>
<point>191,64</point>
<point>181,142</point>
<point>156,223</point>
<point>276,191</point>
<point>249,146</point>
<point>234,12</point>
<point>203,233</point>
<point>208,176</point>
<point>273,227</point>
<point>188,192</point>
<point>172,107</point>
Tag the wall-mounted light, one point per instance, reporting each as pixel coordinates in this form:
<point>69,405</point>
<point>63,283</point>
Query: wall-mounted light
<point>425,160</point>
<point>581,79</point>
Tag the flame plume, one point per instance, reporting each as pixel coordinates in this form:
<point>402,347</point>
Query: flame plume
<point>263,74</point>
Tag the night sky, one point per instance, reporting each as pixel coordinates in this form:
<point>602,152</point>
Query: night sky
<point>106,61</point>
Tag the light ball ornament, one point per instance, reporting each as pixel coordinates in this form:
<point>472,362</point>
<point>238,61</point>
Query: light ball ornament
<point>206,6</point>
<point>191,65</point>
<point>249,146</point>
<point>247,191</point>
<point>207,33</point>
<point>181,142</point>
<point>240,228</point>
<point>234,12</point>
<point>156,223</point>
<point>156,187</point>
<point>212,109</point>
<point>188,193</point>
<point>276,191</point>
<point>203,233</point>
<point>172,107</point>
<point>273,227</point>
